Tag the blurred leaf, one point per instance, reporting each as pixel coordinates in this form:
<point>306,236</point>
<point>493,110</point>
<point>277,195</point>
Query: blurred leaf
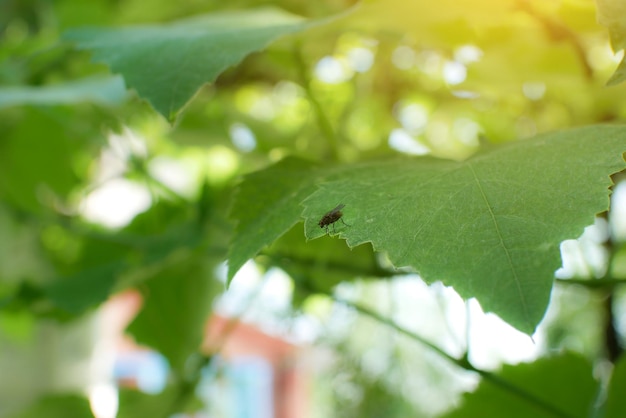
<point>36,154</point>
<point>612,14</point>
<point>58,406</point>
<point>85,289</point>
<point>616,403</point>
<point>167,64</point>
<point>266,206</point>
<point>135,404</point>
<point>108,91</point>
<point>177,301</point>
<point>563,383</point>
<point>619,75</point>
<point>489,226</point>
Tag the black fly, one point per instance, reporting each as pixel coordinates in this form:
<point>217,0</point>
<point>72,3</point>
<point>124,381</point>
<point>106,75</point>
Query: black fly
<point>331,217</point>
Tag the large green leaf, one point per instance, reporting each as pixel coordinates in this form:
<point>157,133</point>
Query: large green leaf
<point>561,386</point>
<point>267,205</point>
<point>166,64</point>
<point>489,226</point>
<point>177,301</point>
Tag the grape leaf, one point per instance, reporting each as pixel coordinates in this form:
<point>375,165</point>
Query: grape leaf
<point>563,384</point>
<point>489,226</point>
<point>166,64</point>
<point>268,205</point>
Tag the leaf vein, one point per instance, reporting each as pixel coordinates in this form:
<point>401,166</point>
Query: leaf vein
<point>502,244</point>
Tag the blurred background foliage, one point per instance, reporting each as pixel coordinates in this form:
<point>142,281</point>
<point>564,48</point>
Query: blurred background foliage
<point>99,193</point>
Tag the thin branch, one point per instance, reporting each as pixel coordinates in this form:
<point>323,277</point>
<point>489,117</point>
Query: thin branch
<point>604,282</point>
<point>460,362</point>
<point>560,32</point>
<point>322,119</point>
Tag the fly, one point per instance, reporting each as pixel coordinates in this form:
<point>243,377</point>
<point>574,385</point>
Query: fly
<point>331,217</point>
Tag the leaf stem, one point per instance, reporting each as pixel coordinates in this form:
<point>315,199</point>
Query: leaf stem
<point>322,119</point>
<point>558,31</point>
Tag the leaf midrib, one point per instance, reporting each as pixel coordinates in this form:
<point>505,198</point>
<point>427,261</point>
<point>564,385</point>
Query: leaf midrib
<point>502,244</point>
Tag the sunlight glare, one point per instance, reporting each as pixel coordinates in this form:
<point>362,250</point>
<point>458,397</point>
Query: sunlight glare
<point>115,203</point>
<point>360,59</point>
<point>242,137</point>
<point>454,72</point>
<point>401,140</point>
<point>618,209</point>
<point>103,400</point>
<point>534,90</point>
<point>403,57</point>
<point>332,70</point>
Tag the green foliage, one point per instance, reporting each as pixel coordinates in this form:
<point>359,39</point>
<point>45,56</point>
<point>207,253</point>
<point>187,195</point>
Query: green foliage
<point>289,130</point>
<point>22,170</point>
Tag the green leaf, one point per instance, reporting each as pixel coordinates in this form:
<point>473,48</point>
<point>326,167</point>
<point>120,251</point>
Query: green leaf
<point>166,64</point>
<point>108,91</point>
<point>561,384</point>
<point>489,226</point>
<point>268,205</point>
<point>176,303</point>
<point>616,403</point>
<point>58,406</point>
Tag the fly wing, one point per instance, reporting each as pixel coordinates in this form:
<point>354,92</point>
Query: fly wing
<point>338,208</point>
